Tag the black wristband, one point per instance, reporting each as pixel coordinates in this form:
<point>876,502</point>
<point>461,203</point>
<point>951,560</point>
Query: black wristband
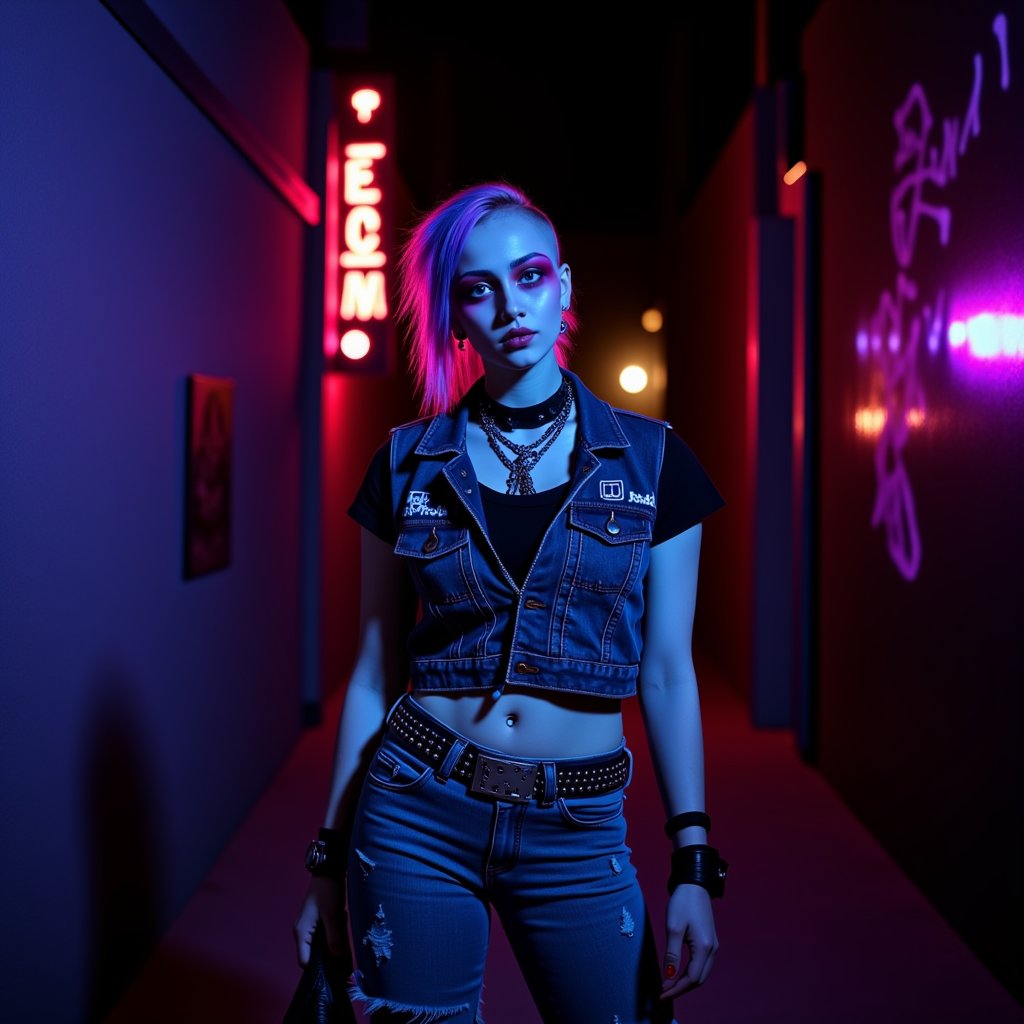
<point>327,855</point>
<point>687,818</point>
<point>701,865</point>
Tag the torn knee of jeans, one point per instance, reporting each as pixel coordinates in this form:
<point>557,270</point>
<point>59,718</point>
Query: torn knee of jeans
<point>626,923</point>
<point>365,864</point>
<point>416,1014</point>
<point>378,937</point>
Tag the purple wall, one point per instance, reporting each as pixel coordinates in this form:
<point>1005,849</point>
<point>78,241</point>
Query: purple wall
<point>142,714</point>
<point>921,656</point>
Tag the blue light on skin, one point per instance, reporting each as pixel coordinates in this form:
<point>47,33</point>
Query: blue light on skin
<point>507,298</point>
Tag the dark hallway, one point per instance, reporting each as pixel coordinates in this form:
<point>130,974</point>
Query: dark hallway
<point>794,230</point>
<point>818,924</point>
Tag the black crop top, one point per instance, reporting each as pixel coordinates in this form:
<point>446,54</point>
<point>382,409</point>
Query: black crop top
<point>516,522</point>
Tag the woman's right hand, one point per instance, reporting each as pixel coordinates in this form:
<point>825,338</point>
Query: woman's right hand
<point>325,901</point>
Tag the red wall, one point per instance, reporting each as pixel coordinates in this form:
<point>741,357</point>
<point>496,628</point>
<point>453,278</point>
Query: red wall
<point>706,333</point>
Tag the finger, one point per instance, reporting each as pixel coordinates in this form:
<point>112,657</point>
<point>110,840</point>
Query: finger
<point>696,970</point>
<point>669,969</point>
<point>708,964</point>
<point>302,942</point>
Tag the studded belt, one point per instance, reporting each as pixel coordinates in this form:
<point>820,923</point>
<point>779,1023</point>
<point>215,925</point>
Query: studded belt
<point>500,777</point>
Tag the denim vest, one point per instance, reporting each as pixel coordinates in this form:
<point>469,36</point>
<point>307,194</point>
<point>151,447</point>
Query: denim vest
<point>575,624</point>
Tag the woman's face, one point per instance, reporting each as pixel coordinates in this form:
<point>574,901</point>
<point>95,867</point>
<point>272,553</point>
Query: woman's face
<point>509,290</point>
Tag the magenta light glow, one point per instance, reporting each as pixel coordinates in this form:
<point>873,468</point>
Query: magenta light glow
<point>906,329</point>
<point>989,336</point>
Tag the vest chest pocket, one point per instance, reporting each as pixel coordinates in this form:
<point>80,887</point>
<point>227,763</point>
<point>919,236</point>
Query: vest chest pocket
<point>606,546</point>
<point>437,553</point>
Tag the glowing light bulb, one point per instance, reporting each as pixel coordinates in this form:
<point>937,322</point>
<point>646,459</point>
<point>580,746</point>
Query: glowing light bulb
<point>652,320</point>
<point>957,333</point>
<point>795,173</point>
<point>633,379</point>
<point>364,103</point>
<point>355,344</point>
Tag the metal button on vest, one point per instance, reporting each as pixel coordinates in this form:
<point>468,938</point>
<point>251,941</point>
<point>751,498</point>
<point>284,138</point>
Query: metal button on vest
<point>612,527</point>
<point>532,602</point>
<point>431,543</point>
<point>530,670</point>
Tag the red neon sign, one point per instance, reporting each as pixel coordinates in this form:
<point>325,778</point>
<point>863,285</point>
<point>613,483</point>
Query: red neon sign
<point>359,219</point>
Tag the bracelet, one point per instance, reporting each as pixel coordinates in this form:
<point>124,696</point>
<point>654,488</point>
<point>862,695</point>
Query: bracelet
<point>327,854</point>
<point>698,865</point>
<point>678,821</point>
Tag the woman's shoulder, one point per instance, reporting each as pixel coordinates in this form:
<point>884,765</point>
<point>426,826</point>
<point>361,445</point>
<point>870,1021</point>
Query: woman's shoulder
<point>418,425</point>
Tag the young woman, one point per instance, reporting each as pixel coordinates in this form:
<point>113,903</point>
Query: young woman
<point>550,543</point>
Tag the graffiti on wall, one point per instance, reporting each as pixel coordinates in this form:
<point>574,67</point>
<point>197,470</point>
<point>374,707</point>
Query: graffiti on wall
<point>907,325</point>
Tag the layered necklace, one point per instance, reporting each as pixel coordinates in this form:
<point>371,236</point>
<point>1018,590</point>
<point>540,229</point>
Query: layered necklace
<point>525,457</point>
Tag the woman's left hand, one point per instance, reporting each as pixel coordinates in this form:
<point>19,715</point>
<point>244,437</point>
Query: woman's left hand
<point>689,922</point>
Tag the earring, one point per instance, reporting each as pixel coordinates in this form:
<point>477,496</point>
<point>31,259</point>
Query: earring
<point>563,327</point>
<point>462,344</point>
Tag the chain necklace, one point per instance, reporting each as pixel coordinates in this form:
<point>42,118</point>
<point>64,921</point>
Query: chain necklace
<point>526,455</point>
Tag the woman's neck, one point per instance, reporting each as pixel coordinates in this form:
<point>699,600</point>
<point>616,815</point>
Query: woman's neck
<point>523,388</point>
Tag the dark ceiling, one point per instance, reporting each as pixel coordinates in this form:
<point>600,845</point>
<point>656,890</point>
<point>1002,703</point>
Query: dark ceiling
<point>609,121</point>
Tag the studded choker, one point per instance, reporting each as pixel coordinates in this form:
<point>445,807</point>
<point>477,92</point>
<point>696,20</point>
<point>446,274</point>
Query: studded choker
<point>509,417</point>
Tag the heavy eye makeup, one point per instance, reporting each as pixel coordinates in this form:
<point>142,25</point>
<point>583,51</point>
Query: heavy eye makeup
<point>470,289</point>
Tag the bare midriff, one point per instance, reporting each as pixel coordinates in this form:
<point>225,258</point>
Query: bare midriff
<point>548,725</point>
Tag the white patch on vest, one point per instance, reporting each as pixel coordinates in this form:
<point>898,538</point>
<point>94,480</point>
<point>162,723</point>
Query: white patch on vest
<point>613,490</point>
<point>417,503</point>
<point>641,499</point>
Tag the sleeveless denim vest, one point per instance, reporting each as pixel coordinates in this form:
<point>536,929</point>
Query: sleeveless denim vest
<point>575,624</point>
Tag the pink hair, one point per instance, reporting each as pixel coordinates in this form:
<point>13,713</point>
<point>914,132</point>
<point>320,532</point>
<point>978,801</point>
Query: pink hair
<point>426,267</point>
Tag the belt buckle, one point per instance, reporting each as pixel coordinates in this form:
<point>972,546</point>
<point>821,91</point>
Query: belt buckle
<point>503,780</point>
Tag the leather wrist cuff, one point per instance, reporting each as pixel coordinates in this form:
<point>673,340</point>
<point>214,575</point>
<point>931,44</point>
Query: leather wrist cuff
<point>327,855</point>
<point>698,865</point>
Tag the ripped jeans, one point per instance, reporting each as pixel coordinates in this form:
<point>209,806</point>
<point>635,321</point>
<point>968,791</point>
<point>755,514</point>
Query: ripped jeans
<point>429,859</point>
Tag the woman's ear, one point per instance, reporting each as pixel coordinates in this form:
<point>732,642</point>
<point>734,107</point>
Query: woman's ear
<point>565,279</point>
<point>460,334</point>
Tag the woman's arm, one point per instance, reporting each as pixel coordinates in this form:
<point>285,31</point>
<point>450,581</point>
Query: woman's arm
<point>386,609</point>
<point>378,678</point>
<point>671,709</point>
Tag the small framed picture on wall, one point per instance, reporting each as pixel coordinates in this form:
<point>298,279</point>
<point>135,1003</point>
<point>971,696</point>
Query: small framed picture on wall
<point>208,474</point>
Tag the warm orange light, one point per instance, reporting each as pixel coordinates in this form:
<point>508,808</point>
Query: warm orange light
<point>363,296</point>
<point>362,238</point>
<point>633,379</point>
<point>364,103</point>
<point>355,344</point>
<point>359,160</point>
<point>795,173</point>
<point>869,420</point>
<point>652,320</point>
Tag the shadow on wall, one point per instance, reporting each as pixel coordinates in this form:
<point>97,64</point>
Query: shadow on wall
<point>121,840</point>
